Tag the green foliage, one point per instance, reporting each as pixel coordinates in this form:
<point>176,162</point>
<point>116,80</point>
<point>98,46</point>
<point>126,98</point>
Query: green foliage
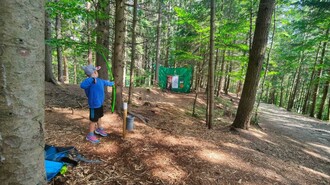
<point>300,28</point>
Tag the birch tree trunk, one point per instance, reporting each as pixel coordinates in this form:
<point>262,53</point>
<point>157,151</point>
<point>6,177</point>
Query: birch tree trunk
<point>22,71</point>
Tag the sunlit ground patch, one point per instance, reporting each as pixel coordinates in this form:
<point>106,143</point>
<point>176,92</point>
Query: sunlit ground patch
<point>323,147</point>
<point>315,172</point>
<point>316,155</point>
<point>165,168</point>
<point>213,156</point>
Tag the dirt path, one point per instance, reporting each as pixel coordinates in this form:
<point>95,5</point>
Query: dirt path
<point>308,139</point>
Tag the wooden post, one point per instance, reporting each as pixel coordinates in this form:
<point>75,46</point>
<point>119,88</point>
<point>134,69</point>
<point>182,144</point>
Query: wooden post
<point>124,119</point>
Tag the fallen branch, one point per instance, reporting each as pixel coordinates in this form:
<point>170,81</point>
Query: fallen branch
<point>142,118</point>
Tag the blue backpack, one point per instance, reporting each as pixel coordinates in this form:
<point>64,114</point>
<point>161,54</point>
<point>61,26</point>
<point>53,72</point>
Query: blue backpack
<point>57,158</point>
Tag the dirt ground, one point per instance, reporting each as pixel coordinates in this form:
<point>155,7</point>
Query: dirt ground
<point>174,147</point>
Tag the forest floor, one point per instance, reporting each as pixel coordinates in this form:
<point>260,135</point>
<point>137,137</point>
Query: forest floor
<point>174,147</point>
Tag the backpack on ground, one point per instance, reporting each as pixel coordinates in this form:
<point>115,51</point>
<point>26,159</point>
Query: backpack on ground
<point>57,158</point>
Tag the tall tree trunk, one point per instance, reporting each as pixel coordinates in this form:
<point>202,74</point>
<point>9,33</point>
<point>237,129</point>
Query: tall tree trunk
<point>58,31</point>
<point>256,56</point>
<point>266,69</point>
<point>102,38</point>
<point>306,101</point>
<point>22,59</point>
<point>328,117</point>
<point>158,41</point>
<point>324,97</point>
<point>282,92</point>
<point>89,37</point>
<point>318,75</point>
<point>49,76</point>
<point>168,34</point>
<point>301,93</point>
<point>118,59</point>
<point>288,89</point>
<point>272,96</point>
<point>211,66</point>
<point>199,72</point>
<point>216,69</point>
<point>147,80</point>
<point>75,71</point>
<point>225,90</point>
<point>65,70</point>
<point>131,79</point>
<point>295,85</point>
<point>228,75</point>
<point>221,72</point>
<point>251,25</point>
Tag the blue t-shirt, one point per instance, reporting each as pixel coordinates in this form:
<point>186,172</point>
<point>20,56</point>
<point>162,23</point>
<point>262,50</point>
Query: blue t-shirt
<point>95,91</point>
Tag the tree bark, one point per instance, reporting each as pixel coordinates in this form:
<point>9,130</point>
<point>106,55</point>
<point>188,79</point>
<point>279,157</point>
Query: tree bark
<point>75,71</point>
<point>211,67</point>
<point>102,38</point>
<point>66,76</point>
<point>225,78</point>
<point>306,101</point>
<point>58,31</point>
<point>266,69</point>
<point>49,76</point>
<point>295,85</point>
<point>282,92</point>
<point>318,75</point>
<point>221,72</point>
<point>22,66</point>
<point>328,117</point>
<point>168,35</point>
<point>324,97</point>
<point>147,78</point>
<point>216,76</point>
<point>242,119</point>
<point>118,59</point>
<point>89,38</point>
<point>158,42</point>
<point>131,80</point>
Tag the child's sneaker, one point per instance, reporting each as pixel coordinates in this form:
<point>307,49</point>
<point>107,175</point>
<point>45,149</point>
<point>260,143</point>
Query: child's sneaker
<point>92,138</point>
<point>100,131</point>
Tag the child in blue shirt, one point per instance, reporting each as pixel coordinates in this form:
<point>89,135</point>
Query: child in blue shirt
<point>94,89</point>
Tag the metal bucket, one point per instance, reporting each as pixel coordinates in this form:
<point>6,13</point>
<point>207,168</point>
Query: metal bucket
<point>129,122</point>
